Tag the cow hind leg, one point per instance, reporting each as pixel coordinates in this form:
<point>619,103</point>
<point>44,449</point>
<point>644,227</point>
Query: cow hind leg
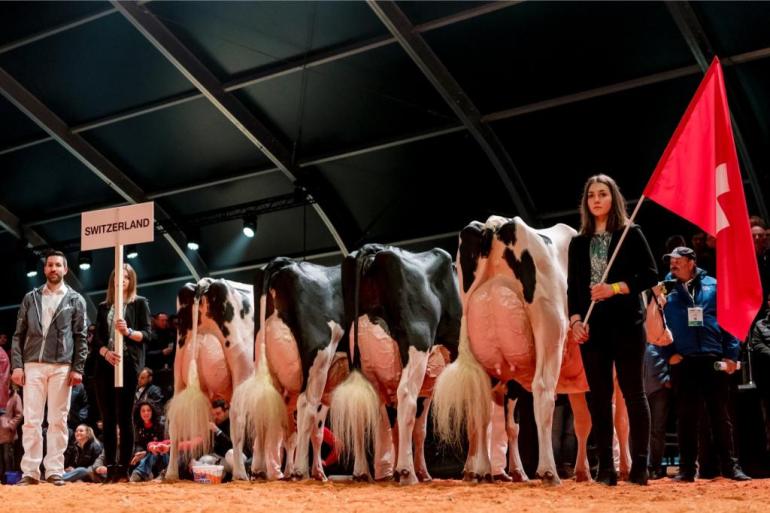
<point>582,419</point>
<point>418,438</point>
<point>383,447</point>
<point>515,466</point>
<point>309,405</point>
<point>408,389</point>
<point>317,439</point>
<point>237,435</point>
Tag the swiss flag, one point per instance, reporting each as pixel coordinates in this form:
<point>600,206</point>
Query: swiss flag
<point>699,179</point>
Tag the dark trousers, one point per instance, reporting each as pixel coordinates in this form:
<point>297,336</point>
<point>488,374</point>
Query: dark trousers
<point>622,347</point>
<point>660,404</point>
<point>697,383</point>
<point>116,406</point>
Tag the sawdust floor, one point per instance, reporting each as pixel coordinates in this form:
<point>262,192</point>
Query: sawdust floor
<point>441,496</point>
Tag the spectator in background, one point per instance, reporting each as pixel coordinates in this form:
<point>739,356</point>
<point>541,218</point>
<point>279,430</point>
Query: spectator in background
<point>78,407</point>
<point>657,386</point>
<point>84,459</point>
<point>699,344</point>
<point>762,250</point>
<point>10,420</point>
<point>705,255</point>
<point>5,371</point>
<point>760,352</point>
<point>161,344</point>
<point>150,444</point>
<point>146,391</point>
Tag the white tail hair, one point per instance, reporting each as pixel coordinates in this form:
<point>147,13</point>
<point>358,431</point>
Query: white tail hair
<point>256,400</point>
<point>188,412</point>
<point>354,412</point>
<point>461,396</point>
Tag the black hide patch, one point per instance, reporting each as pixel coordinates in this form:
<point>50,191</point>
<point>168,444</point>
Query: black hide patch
<point>220,308</point>
<point>524,270</point>
<point>471,249</point>
<point>245,307</point>
<point>392,415</point>
<point>546,239</point>
<point>420,407</point>
<point>507,233</point>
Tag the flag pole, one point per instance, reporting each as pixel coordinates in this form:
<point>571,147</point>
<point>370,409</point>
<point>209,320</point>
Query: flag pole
<point>615,253</point>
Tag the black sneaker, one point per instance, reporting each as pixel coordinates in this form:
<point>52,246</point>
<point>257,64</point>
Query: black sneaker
<point>736,474</point>
<point>27,481</point>
<point>684,477</point>
<point>55,480</point>
<point>607,477</point>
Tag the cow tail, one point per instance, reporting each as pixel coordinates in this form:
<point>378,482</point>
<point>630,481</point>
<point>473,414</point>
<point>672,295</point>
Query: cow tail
<point>458,396</point>
<point>189,410</point>
<point>260,409</point>
<point>353,414</point>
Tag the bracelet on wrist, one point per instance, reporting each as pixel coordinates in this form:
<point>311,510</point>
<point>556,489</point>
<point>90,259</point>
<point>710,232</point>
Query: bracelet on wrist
<point>573,322</point>
<point>130,332</point>
<point>615,288</point>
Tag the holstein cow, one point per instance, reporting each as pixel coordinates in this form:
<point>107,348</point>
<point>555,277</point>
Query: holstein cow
<point>300,326</point>
<point>404,309</point>
<point>514,296</point>
<point>215,353</point>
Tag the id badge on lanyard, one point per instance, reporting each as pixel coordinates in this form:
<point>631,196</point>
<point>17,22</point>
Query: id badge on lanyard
<point>695,316</point>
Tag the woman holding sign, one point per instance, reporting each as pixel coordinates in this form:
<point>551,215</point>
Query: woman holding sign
<point>614,337</point>
<point>116,404</point>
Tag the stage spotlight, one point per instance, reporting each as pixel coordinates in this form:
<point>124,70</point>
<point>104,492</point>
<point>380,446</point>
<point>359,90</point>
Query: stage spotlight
<point>131,251</point>
<point>250,227</point>
<point>31,266</point>
<point>84,260</point>
<point>194,240</point>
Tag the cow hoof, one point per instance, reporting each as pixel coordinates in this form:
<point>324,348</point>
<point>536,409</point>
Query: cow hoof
<point>362,478</point>
<point>406,477</point>
<point>386,478</point>
<point>319,476</point>
<point>424,477</point>
<point>296,476</point>
<point>260,476</point>
<point>549,478</point>
<point>240,476</point>
<point>502,478</point>
<point>519,476</point>
<point>583,476</point>
<point>623,475</point>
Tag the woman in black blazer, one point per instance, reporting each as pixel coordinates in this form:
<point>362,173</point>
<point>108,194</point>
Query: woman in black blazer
<point>116,404</point>
<point>615,332</point>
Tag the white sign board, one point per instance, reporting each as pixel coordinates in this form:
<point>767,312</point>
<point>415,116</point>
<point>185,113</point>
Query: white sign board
<point>113,226</point>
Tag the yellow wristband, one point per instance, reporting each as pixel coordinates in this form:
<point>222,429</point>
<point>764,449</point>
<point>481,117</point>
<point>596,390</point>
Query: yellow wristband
<point>615,288</point>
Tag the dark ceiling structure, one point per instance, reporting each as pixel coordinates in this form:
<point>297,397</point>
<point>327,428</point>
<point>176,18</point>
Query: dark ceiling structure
<point>332,124</point>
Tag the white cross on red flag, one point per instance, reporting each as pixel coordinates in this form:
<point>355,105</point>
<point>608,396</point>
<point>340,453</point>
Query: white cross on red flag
<point>698,178</point>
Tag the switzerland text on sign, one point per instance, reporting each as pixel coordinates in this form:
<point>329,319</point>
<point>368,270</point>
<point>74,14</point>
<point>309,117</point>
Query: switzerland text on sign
<point>112,226</point>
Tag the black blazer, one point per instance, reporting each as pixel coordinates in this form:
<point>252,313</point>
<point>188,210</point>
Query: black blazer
<point>138,319</point>
<point>634,265</point>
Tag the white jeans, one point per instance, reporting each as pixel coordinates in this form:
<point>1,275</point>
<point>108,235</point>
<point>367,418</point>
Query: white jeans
<point>45,381</point>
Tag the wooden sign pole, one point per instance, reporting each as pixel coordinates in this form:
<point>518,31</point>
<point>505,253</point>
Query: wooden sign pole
<point>117,304</point>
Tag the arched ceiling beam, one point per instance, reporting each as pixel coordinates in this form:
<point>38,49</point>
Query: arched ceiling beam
<point>450,90</point>
<point>89,156</point>
<point>328,205</point>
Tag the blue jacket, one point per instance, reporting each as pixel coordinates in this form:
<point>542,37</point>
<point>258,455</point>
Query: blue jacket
<point>709,338</point>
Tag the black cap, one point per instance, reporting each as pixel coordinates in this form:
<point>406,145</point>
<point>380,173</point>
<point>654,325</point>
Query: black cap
<point>681,251</point>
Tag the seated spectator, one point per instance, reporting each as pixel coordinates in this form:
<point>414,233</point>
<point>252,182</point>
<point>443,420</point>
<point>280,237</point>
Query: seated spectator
<point>9,423</point>
<point>150,444</point>
<point>146,391</point>
<point>84,459</point>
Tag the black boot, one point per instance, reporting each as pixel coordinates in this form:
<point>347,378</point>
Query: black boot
<point>607,476</point>
<point>686,474</point>
<point>639,473</point>
<point>116,474</point>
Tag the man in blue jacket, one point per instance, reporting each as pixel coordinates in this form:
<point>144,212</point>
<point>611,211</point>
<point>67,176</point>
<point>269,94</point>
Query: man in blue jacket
<point>700,345</point>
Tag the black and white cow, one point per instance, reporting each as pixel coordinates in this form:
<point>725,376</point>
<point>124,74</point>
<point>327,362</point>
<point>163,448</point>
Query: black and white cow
<point>215,353</point>
<point>299,328</point>
<point>404,311</point>
<point>514,296</point>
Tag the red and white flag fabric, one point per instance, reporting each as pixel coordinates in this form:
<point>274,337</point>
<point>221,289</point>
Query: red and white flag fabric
<point>698,178</point>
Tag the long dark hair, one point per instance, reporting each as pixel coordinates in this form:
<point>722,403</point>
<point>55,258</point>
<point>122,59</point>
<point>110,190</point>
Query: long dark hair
<point>138,422</point>
<point>617,217</point>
